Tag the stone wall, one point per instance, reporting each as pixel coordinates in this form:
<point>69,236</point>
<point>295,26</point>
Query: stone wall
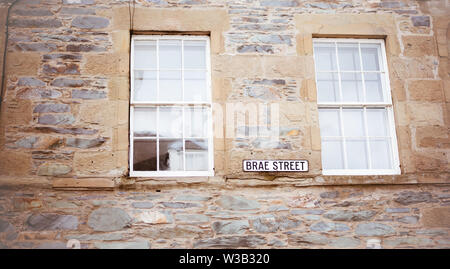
<point>65,117</point>
<point>276,217</point>
<point>65,112</point>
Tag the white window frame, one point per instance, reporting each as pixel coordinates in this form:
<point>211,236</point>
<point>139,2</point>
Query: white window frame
<point>207,104</point>
<point>387,104</point>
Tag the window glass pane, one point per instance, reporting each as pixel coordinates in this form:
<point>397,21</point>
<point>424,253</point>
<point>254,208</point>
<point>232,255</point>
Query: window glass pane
<point>170,122</point>
<point>144,155</point>
<point>356,154</point>
<point>381,154</point>
<point>195,86</point>
<point>377,122</point>
<point>170,54</point>
<point>325,56</point>
<point>370,59</point>
<point>194,54</point>
<point>196,154</point>
<point>144,123</point>
<point>170,88</point>
<point>171,154</point>
<point>145,54</point>
<point>353,122</point>
<point>348,56</point>
<point>329,122</point>
<point>332,154</point>
<point>145,85</point>
<point>327,87</point>
<point>374,87</point>
<point>196,122</point>
<point>352,90</point>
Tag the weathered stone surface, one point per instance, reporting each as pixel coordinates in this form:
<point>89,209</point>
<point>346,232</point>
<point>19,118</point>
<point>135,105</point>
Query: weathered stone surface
<point>179,231</point>
<point>41,47</point>
<point>142,205</point>
<point>88,94</point>
<point>53,169</point>
<point>8,230</point>
<point>63,68</point>
<point>189,197</point>
<point>249,241</point>
<point>52,245</point>
<point>29,81</point>
<point>347,215</point>
<point>276,208</point>
<point>279,3</point>
<point>414,241</point>
<point>408,219</point>
<point>345,242</point>
<point>392,4</point>
<point>307,212</point>
<point>33,93</point>
<point>107,219</point>
<point>26,142</point>
<point>237,203</point>
<point>374,229</point>
<point>421,21</point>
<point>63,57</point>
<point>123,245</point>
<point>409,197</point>
<point>191,218</point>
<point>436,217</point>
<point>49,108</point>
<point>68,82</point>
<point>74,131</point>
<point>230,227</point>
<point>329,226</point>
<point>397,210</point>
<point>77,2</point>
<point>179,205</point>
<point>63,204</point>
<point>85,143</point>
<point>95,237</point>
<point>265,143</point>
<point>49,221</point>
<point>329,195</point>
<point>38,12</point>
<point>277,243</point>
<point>103,203</point>
<point>84,48</point>
<point>77,11</point>
<point>35,23</point>
<point>308,239</point>
<point>271,223</point>
<point>431,232</point>
<point>270,82</point>
<point>90,22</point>
<point>272,39</point>
<point>255,49</point>
<point>56,119</point>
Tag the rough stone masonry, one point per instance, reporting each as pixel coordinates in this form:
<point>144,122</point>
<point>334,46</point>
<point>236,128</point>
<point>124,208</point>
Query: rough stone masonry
<point>64,128</point>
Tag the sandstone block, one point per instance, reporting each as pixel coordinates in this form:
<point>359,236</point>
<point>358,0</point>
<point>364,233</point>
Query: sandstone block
<point>53,169</point>
<point>418,46</point>
<point>426,90</point>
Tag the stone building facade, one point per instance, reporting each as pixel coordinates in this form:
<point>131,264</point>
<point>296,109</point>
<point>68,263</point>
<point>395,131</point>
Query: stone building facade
<point>65,127</point>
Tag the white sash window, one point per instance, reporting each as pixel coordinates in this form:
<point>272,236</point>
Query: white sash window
<point>355,107</point>
<point>170,107</point>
